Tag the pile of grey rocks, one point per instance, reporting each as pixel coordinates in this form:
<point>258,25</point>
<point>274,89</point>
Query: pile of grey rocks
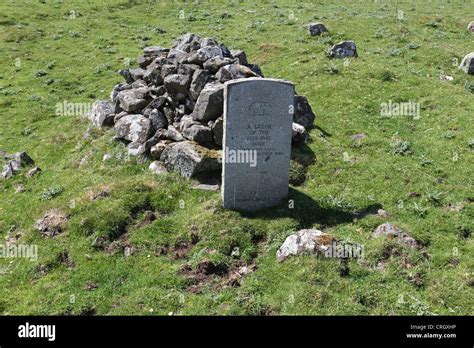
<point>15,162</point>
<point>170,107</point>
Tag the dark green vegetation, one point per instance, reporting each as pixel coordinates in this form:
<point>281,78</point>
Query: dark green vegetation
<point>419,170</point>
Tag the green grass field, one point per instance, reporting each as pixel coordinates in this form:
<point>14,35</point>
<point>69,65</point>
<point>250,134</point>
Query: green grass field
<point>420,170</point>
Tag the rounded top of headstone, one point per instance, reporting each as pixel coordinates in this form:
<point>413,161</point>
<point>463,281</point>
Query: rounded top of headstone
<point>258,79</point>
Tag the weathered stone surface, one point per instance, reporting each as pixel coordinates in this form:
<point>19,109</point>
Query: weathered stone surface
<point>198,133</point>
<point>177,86</point>
<point>214,64</point>
<point>205,53</point>
<point>135,149</point>
<point>299,134</point>
<point>187,42</point>
<point>200,78</point>
<point>167,69</point>
<point>102,113</point>
<point>51,224</point>
<point>154,51</point>
<point>119,116</point>
<point>257,125</point>
<point>144,61</point>
<point>467,64</point>
<point>177,55</point>
<point>343,49</point>
<point>233,72</point>
<point>240,56</point>
<point>33,171</point>
<point>118,88</point>
<point>225,51</point>
<point>304,241</point>
<point>210,103</point>
<point>187,69</point>
<point>315,29</point>
<point>470,27</point>
<point>218,130</point>
<point>137,73</point>
<point>157,150</point>
<point>206,187</point>
<point>255,69</point>
<point>157,119</point>
<point>7,171</point>
<point>22,158</point>
<point>207,41</point>
<point>134,128</point>
<point>133,100</point>
<point>391,231</point>
<point>157,168</point>
<point>169,134</point>
<point>190,159</point>
<point>303,114</point>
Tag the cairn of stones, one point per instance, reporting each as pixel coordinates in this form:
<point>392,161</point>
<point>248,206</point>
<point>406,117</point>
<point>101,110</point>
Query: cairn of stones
<point>170,107</point>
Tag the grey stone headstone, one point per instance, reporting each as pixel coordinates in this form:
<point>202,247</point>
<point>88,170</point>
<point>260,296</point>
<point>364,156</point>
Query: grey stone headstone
<point>258,115</point>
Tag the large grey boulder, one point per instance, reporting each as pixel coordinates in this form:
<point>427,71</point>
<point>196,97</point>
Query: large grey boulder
<point>177,86</point>
<point>190,159</point>
<point>134,128</point>
<point>102,113</point>
<point>467,64</point>
<point>343,49</point>
<point>303,114</point>
<point>210,103</point>
<point>133,100</point>
<point>304,241</point>
<point>315,29</point>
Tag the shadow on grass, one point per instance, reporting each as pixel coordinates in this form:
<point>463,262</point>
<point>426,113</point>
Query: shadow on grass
<point>308,212</point>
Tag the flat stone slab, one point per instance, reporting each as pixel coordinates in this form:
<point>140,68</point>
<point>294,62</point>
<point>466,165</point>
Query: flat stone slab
<point>258,116</point>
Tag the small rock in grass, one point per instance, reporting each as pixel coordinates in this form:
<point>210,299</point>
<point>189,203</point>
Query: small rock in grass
<point>343,49</point>
<point>157,167</point>
<point>33,172</point>
<point>470,27</point>
<point>316,29</point>
<point>312,241</point>
<point>467,64</point>
<point>393,232</point>
<point>51,224</point>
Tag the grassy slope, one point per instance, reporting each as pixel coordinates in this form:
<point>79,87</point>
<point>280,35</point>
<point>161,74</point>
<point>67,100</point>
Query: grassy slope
<point>80,56</point>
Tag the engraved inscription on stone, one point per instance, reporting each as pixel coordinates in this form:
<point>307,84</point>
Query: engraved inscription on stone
<point>257,142</point>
